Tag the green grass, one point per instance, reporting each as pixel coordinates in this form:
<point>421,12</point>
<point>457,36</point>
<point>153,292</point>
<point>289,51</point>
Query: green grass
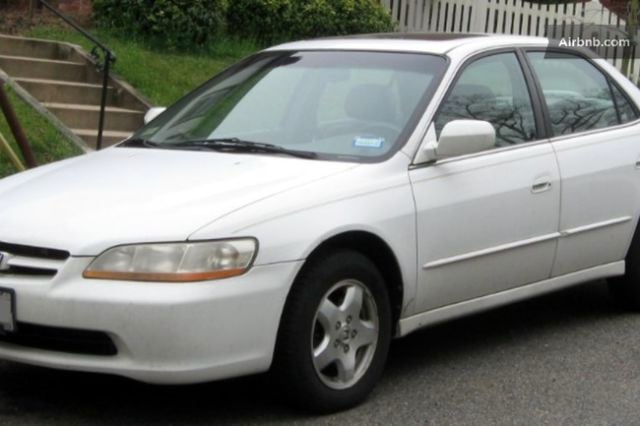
<point>47,142</point>
<point>160,75</point>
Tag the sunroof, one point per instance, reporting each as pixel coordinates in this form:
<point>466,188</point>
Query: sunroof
<point>420,36</point>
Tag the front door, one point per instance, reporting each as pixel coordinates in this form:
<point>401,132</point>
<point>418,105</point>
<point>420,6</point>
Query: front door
<point>487,222</point>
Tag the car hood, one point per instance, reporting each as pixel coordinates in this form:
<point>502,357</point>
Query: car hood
<point>128,195</point>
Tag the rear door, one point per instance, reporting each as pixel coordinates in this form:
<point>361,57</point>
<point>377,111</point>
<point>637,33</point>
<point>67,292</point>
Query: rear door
<point>597,141</point>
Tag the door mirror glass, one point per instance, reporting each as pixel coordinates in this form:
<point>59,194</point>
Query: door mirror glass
<point>461,137</point>
<point>153,113</point>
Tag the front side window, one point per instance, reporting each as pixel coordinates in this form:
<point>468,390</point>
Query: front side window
<point>339,105</point>
<point>578,96</point>
<point>492,89</point>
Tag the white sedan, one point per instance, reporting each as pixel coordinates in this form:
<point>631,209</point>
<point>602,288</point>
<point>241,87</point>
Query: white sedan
<point>316,200</point>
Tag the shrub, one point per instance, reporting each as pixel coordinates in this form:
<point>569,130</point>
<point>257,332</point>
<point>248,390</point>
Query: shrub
<point>264,20</point>
<point>276,20</point>
<point>174,23</point>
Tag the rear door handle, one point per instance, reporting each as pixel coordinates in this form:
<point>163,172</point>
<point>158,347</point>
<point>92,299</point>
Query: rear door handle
<point>541,185</point>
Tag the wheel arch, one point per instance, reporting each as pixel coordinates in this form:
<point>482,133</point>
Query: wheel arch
<point>375,249</point>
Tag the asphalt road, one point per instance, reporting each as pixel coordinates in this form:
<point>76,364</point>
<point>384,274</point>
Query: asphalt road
<point>567,358</point>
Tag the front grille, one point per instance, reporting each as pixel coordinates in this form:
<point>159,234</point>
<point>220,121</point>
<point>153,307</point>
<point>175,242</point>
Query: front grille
<point>39,252</point>
<point>25,270</point>
<point>32,262</point>
<point>67,340</point>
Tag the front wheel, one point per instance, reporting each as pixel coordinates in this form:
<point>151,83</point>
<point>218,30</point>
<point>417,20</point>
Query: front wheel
<point>335,333</point>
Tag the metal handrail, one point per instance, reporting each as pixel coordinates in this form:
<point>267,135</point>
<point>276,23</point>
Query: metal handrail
<point>103,63</point>
<point>16,128</point>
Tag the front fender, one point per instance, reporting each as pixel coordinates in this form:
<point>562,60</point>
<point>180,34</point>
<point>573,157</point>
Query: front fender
<point>375,198</point>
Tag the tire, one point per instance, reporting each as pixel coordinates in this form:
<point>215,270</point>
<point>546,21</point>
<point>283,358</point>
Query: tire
<point>329,355</point>
<point>625,290</point>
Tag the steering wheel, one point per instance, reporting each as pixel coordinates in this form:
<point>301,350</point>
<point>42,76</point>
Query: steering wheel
<point>389,131</point>
<point>386,132</point>
<point>363,128</point>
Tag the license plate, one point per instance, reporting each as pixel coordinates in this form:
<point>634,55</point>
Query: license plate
<point>7,311</point>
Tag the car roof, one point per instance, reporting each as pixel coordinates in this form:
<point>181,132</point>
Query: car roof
<point>436,43</point>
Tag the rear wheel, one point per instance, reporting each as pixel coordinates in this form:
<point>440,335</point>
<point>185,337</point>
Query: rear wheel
<point>335,333</point>
<point>626,289</point>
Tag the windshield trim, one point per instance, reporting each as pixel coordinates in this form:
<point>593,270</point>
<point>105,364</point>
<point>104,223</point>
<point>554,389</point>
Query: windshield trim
<point>404,136</point>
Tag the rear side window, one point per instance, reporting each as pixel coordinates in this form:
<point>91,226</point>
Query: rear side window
<point>492,89</point>
<point>579,97</point>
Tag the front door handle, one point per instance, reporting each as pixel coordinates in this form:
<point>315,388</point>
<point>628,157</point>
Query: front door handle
<point>541,185</point>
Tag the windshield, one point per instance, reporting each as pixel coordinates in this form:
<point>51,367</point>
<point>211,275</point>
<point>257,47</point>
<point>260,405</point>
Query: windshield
<point>342,105</point>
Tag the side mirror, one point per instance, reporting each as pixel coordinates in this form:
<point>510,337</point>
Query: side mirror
<point>153,113</point>
<point>461,137</point>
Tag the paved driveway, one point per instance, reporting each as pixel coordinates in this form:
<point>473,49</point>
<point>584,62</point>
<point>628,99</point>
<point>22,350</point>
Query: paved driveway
<point>567,358</point>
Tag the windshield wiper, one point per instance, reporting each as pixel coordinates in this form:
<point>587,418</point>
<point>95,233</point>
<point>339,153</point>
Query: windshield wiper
<point>139,143</point>
<point>221,144</point>
<point>236,144</point>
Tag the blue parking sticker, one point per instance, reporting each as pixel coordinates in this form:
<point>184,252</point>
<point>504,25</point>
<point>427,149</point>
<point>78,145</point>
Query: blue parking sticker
<point>368,142</point>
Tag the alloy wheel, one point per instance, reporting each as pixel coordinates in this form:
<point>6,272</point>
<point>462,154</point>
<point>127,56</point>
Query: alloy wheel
<point>345,334</point>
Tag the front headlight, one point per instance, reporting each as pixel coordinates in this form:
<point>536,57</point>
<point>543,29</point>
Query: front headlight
<point>175,262</point>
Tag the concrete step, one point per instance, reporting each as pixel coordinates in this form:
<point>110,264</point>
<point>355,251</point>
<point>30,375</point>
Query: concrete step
<point>34,48</point>
<point>78,116</point>
<point>64,79</point>
<point>109,137</point>
<point>67,92</point>
<point>50,69</point>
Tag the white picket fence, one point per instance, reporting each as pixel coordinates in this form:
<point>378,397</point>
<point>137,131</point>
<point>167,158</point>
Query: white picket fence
<point>510,17</point>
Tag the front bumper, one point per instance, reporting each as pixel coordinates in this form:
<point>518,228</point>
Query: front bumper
<point>164,333</point>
